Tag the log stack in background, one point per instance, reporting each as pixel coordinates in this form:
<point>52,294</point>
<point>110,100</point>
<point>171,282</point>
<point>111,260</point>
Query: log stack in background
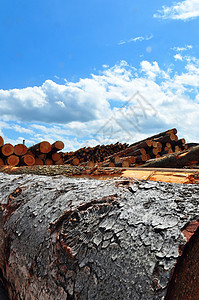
<point>113,155</point>
<point>42,153</point>
<point>153,147</point>
<point>91,156</point>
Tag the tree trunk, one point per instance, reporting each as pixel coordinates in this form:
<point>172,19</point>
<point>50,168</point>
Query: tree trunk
<point>82,239</point>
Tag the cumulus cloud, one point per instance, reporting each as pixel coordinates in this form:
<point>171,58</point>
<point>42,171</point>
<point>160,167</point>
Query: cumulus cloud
<point>183,10</point>
<point>127,104</point>
<point>52,102</point>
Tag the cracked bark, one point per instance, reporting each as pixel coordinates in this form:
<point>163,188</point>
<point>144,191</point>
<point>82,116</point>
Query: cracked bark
<point>65,238</point>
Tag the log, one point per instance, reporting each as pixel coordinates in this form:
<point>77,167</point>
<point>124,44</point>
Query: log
<point>12,160</point>
<point>176,160</point>
<point>144,144</point>
<point>56,156</point>
<point>28,160</point>
<point>57,146</point>
<point>7,149</point>
<point>43,147</point>
<point>38,161</point>
<point>20,149</point>
<point>61,241</point>
<point>59,162</point>
<point>192,144</point>
<point>48,162</point>
<point>90,164</point>
<point>42,156</point>
<point>1,141</point>
<point>1,162</point>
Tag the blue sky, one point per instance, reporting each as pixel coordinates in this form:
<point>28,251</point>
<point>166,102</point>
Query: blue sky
<point>69,68</point>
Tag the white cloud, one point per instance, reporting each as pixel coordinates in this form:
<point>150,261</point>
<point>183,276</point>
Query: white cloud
<point>178,57</point>
<point>136,39</point>
<point>183,10</point>
<point>53,102</point>
<point>185,48</point>
<point>166,99</point>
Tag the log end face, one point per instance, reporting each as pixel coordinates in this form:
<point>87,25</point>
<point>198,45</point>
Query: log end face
<point>45,147</point>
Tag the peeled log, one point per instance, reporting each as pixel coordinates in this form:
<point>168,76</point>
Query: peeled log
<point>176,160</point>
<point>20,149</point>
<point>85,239</point>
<point>43,147</point>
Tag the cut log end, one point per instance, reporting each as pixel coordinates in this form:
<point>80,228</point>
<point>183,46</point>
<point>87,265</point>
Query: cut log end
<point>58,145</point>
<point>28,160</point>
<point>12,160</point>
<point>20,149</point>
<point>7,149</point>
<point>45,147</point>
<point>56,156</point>
<point>49,162</point>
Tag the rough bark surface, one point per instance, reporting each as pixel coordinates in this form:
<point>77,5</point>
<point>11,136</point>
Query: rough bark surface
<point>64,238</point>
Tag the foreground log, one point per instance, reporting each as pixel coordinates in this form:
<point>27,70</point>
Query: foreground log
<point>85,239</point>
<point>176,160</point>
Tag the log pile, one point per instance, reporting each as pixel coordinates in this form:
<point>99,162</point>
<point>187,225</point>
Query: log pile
<point>90,156</point>
<point>42,153</point>
<point>153,147</point>
<point>149,150</point>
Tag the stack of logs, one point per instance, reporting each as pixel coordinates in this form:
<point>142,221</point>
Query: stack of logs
<point>113,155</point>
<point>42,153</point>
<point>123,155</point>
<point>153,147</point>
<point>91,156</point>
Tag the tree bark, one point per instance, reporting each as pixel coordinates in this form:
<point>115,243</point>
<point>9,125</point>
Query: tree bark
<point>82,239</point>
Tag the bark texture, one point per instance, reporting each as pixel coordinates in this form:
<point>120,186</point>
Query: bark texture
<point>64,238</point>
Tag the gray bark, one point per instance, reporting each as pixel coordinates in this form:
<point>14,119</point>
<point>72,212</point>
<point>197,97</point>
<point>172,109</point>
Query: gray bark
<point>65,238</point>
